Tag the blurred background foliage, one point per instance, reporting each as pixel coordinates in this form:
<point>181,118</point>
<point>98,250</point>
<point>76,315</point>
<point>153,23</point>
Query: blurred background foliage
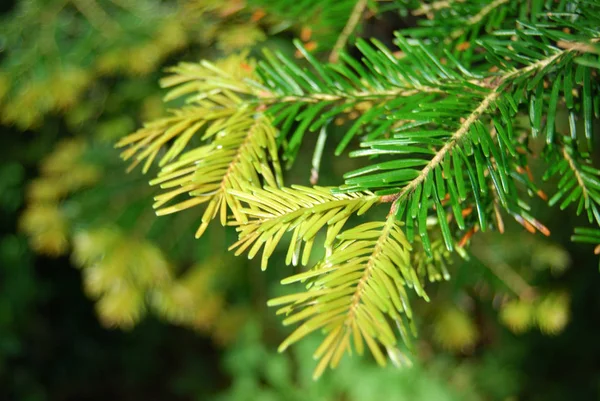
<point>101,300</point>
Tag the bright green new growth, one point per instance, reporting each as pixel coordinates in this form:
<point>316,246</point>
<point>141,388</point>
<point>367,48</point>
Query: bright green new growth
<point>351,292</point>
<point>447,143</point>
<point>273,212</point>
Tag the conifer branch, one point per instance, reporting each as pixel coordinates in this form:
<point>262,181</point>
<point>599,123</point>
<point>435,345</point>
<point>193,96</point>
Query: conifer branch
<point>272,212</point>
<point>447,148</point>
<point>238,156</point>
<point>353,292</point>
<point>368,271</point>
<point>448,129</point>
<point>484,105</point>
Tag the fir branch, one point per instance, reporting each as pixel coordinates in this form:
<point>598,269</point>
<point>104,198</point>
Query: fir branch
<point>344,82</point>
<point>441,154</point>
<point>351,293</point>
<point>239,148</point>
<point>455,122</point>
<point>470,142</point>
<point>241,153</point>
<point>483,107</point>
<point>368,272</point>
<point>272,212</point>
<point>334,89</point>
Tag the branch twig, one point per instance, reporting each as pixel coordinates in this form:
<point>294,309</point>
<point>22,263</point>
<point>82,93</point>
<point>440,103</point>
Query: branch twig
<point>478,17</point>
<point>486,102</point>
<point>435,6</point>
<point>357,12</point>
